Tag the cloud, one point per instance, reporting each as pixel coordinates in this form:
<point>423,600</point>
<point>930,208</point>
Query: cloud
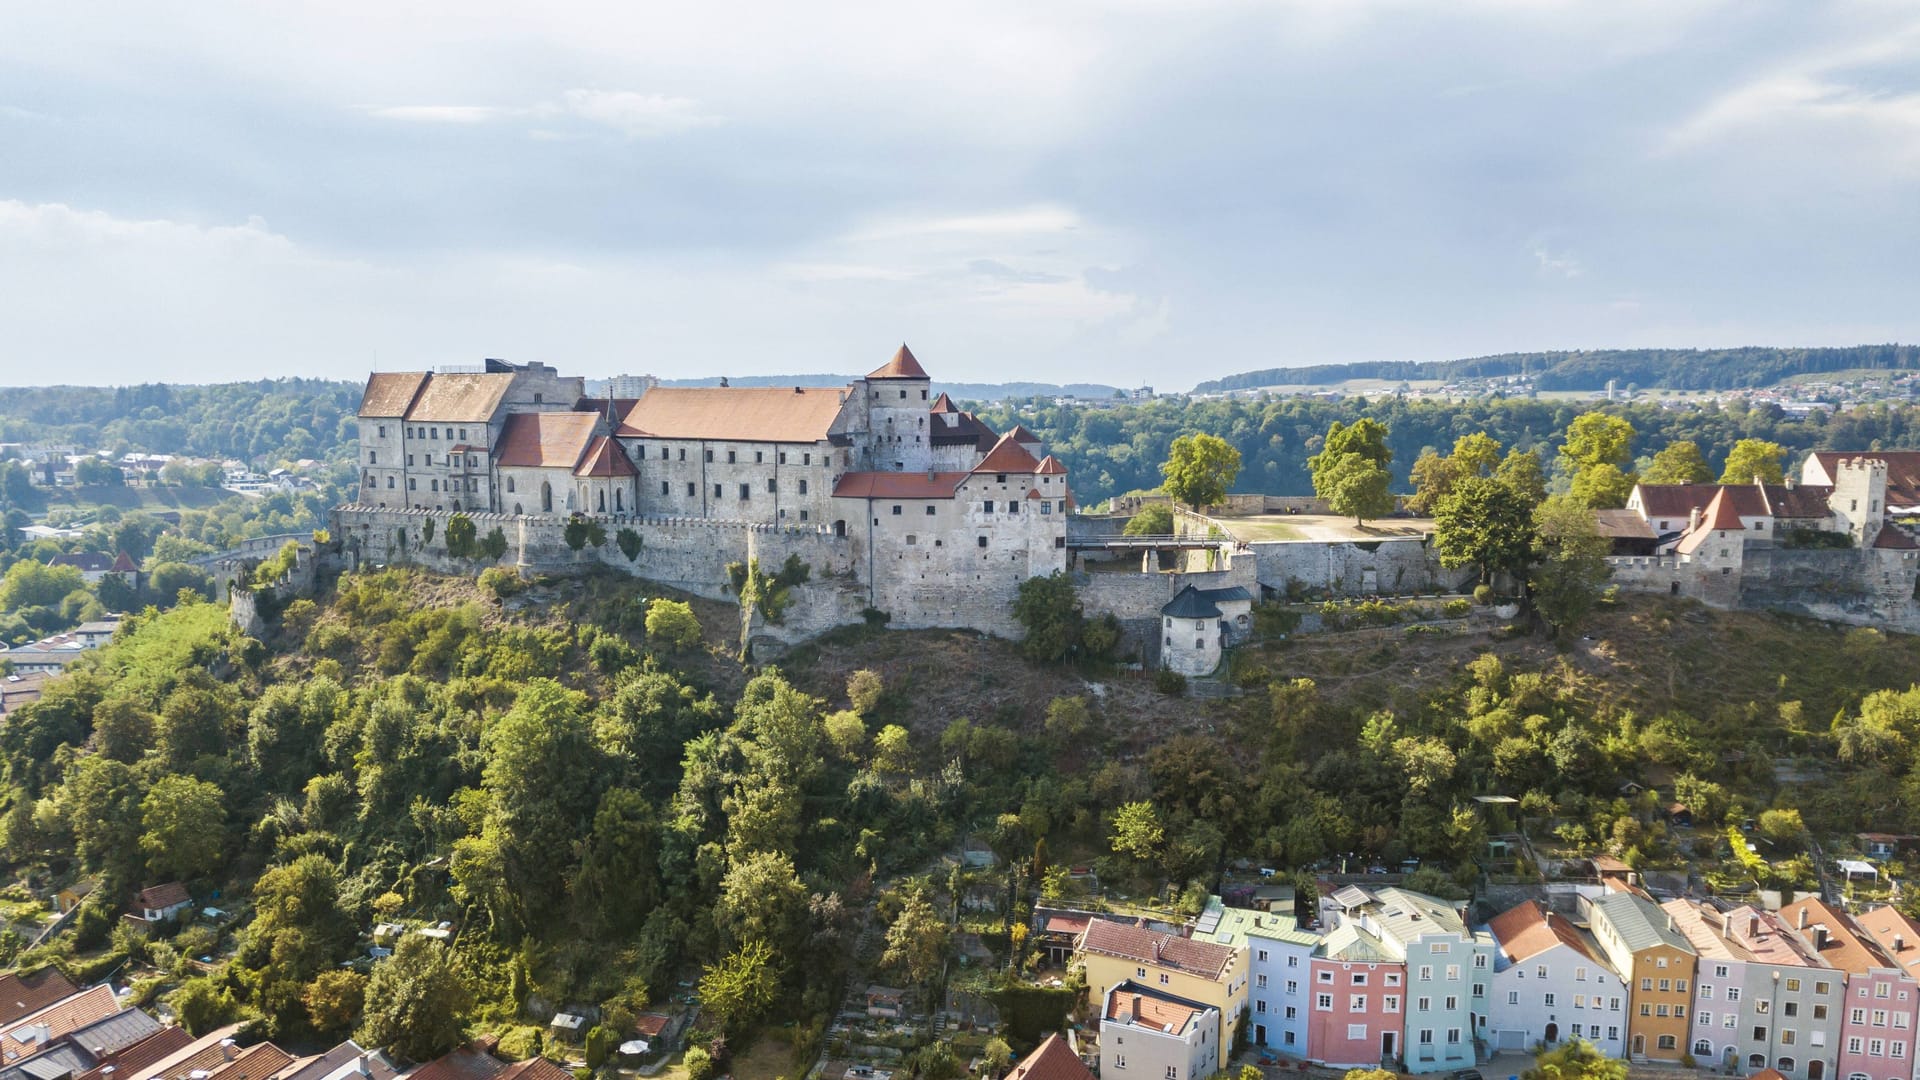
<point>1555,264</point>
<point>632,114</point>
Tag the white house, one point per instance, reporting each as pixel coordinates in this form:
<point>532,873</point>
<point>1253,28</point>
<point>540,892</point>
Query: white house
<point>1551,983</point>
<point>1147,1033</point>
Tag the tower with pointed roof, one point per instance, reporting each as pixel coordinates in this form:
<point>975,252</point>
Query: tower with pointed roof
<point>897,408</point>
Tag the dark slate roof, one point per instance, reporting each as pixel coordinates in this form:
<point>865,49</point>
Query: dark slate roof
<point>1191,603</point>
<point>1227,595</point>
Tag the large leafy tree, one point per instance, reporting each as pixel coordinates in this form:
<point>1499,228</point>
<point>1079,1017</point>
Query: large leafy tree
<point>738,988</point>
<point>1678,462</point>
<point>917,942</point>
<point>1350,471</point>
<point>1597,438</point>
<point>1154,519</point>
<point>618,882</point>
<point>1752,458</point>
<point>1199,468</point>
<point>543,776</point>
<point>1486,524</point>
<point>762,899</point>
<point>1571,562</point>
<point>1602,487</point>
<point>417,1000</point>
<point>300,927</point>
<point>1521,470</point>
<point>1137,832</point>
<point>1433,477</point>
<point>185,827</point>
<point>1050,611</point>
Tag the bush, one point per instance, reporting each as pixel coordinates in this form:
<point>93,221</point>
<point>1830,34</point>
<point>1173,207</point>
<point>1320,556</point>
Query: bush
<point>672,624</point>
<point>520,1043</point>
<point>500,581</point>
<point>699,1064</point>
<point>1170,682</point>
<point>1483,595</point>
<point>1456,608</point>
<point>629,543</point>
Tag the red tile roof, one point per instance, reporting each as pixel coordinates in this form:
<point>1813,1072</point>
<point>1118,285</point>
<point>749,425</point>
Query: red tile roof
<point>123,564</point>
<point>1720,516</point>
<point>943,404</point>
<point>457,398</point>
<point>651,1024</point>
<point>1894,539</point>
<point>1137,943</point>
<point>1051,1060</point>
<point>1008,456</point>
<point>464,1063</point>
<point>1020,433</point>
<point>162,896</point>
<point>1051,466</point>
<point>536,1068</point>
<point>1131,1003</point>
<point>29,993</point>
<point>256,1062</point>
<point>897,485</point>
<point>389,393</point>
<point>59,1018</point>
<point>800,414</point>
<point>1800,501</point>
<point>144,1054</point>
<point>902,366</point>
<point>606,458</point>
<point>1896,933</point>
<point>1903,471</point>
<point>545,440</point>
<point>1066,924</point>
<point>1849,947</point>
<point>1530,929</point>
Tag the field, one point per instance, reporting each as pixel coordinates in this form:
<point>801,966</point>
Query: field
<point>142,497</point>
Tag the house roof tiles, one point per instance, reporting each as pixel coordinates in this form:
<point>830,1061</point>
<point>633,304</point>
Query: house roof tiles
<point>897,485</point>
<point>141,1055</point>
<point>604,457</point>
<point>59,1018</point>
<point>1848,946</point>
<point>1053,1059</point>
<point>390,393</point>
<point>1903,471</point>
<point>800,414</point>
<point>545,440</point>
<point>1898,934</point>
<point>1529,929</point>
<point>22,995</point>
<point>901,366</point>
<point>158,897</point>
<point>1131,1003</point>
<point>1144,946</point>
<point>534,1068</point>
<point>463,1063</point>
<point>1008,456</point>
<point>470,398</point>
<point>1639,922</point>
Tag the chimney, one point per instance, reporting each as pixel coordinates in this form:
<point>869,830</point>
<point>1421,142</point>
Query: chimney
<point>1753,926</point>
<point>226,1049</point>
<point>1693,516</point>
<point>1899,942</point>
<point>362,1067</point>
<point>1819,938</point>
<point>723,380</point>
<point>1726,928</point>
<point>796,389</point>
<point>1802,924</point>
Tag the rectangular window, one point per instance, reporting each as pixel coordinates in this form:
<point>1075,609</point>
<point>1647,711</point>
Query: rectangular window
<point>1706,992</point>
<point>709,457</point>
<point>1452,1003</point>
<point>1793,986</point>
<point>1323,1002</point>
<point>1853,1046</point>
<point>1453,1036</point>
<point>1880,1017</point>
<point>373,457</point>
<point>983,541</point>
<point>1356,1032</point>
<point>1791,1008</point>
<point>803,487</point>
<point>1879,990</point>
<point>1359,978</point>
<point>1646,1009</point>
<point>732,457</point>
<point>383,431</point>
<point>1540,972</point>
<point>1680,985</point>
<point>1260,981</point>
<point>1786,1036</point>
<point>1293,987</point>
<point>1513,997</point>
<point>1579,974</point>
<point>1393,978</point>
<point>1660,1010</point>
<point>1666,985</point>
<point>718,489</point>
<point>689,489</point>
<point>683,454</point>
<point>1390,1003</point>
<point>1261,955</point>
<point>1680,1010</point>
<point>772,486</point>
<point>1646,984</point>
<point>663,451</point>
<point>758,457</point>
<point>1759,1034</point>
<point>1733,993</point>
<point>896,509</point>
<point>1820,1012</point>
<point>929,511</point>
<point>1424,1004</point>
<point>1480,961</point>
<point>987,506</point>
<point>1548,1002</point>
<point>1876,1047</point>
<point>1899,1049</point>
<point>1325,976</point>
<point>1357,1003</point>
<point>663,487</point>
<point>1821,988</point>
<point>1426,972</point>
<point>1453,972</point>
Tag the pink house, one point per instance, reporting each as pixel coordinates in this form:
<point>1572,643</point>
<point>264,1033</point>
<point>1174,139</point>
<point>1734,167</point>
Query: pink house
<point>1355,1015</point>
<point>1882,1011</point>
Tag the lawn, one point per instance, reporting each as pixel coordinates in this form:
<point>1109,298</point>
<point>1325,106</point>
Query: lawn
<point>1261,528</point>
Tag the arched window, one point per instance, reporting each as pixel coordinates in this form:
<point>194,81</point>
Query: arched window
<point>516,510</point>
<point>546,497</point>
<point>1786,1065</point>
<point>1756,1061</point>
<point>1702,1048</point>
<point>509,484</point>
<point>840,528</point>
<point>602,503</point>
<point>1668,1042</point>
<point>619,504</point>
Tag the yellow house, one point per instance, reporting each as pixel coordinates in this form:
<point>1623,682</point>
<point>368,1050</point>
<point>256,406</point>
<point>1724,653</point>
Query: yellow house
<point>1656,961</point>
<point>1216,975</point>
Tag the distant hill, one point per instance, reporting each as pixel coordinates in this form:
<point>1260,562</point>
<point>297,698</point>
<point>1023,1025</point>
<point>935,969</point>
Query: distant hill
<point>1674,369</point>
<point>959,391</point>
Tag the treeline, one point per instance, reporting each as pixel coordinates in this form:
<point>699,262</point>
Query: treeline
<point>268,420</point>
<point>1112,451</point>
<point>1673,369</point>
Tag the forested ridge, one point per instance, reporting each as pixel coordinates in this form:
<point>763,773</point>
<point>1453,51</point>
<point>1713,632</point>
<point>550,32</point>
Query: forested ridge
<point>268,420</point>
<point>603,804</point>
<point>1672,369</point>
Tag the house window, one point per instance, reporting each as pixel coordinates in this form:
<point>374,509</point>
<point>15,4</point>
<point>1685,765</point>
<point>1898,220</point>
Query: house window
<point>689,489</point>
<point>1793,987</point>
<point>683,454</point>
<point>663,452</point>
<point>745,491</point>
<point>803,487</point>
<point>983,541</point>
<point>1513,997</point>
<point>1357,1003</point>
<point>709,457</point>
<point>732,457</point>
<point>383,431</point>
<point>1548,1002</point>
<point>1323,1002</point>
<point>1356,1032</point>
<point>772,486</point>
<point>1119,1061</point>
<point>1668,1042</point>
<point>929,511</point>
<point>1359,978</point>
<point>896,509</point>
<point>1391,1003</point>
<point>1260,981</point>
<point>987,506</point>
<point>718,489</point>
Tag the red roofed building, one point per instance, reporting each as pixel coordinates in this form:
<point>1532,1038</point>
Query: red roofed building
<point>1551,983</point>
<point>1199,971</point>
<point>1053,1059</point>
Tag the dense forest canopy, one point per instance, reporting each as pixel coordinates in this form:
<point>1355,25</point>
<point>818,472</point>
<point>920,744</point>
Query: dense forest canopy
<point>1673,369</point>
<point>268,420</point>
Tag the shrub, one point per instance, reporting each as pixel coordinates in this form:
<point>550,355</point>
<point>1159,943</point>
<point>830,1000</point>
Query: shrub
<point>1170,682</point>
<point>672,623</point>
<point>699,1064</point>
<point>1483,595</point>
<point>461,535</point>
<point>1273,620</point>
<point>426,532</point>
<point>1456,608</point>
<point>585,532</point>
<point>499,581</point>
<point>629,542</point>
<point>520,1043</point>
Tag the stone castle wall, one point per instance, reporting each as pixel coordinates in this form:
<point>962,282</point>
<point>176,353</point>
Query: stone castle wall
<point>1869,587</point>
<point>1356,568</point>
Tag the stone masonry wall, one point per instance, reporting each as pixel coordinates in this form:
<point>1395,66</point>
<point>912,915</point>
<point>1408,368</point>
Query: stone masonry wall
<point>1355,568</point>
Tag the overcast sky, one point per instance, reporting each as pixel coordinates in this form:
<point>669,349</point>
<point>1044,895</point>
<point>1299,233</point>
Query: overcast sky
<point>1121,191</point>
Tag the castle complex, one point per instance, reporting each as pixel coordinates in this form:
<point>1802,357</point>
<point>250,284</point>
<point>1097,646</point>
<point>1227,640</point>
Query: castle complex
<point>914,507</point>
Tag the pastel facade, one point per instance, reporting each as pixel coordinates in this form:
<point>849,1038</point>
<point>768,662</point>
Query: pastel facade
<point>1357,1017</point>
<point>1448,973</point>
<point>1280,957</point>
<point>1878,1014</point>
<point>1152,1035</point>
<point>1199,971</point>
<point>1765,998</point>
<point>1551,984</point>
<point>1641,944</point>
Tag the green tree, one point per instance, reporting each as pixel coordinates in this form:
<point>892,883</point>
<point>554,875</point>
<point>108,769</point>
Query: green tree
<point>1354,487</point>
<point>1752,458</point>
<point>864,691</point>
<point>671,624</point>
<point>917,942</point>
<point>1521,470</point>
<point>185,827</point>
<point>1597,438</point>
<point>461,536</point>
<point>1602,487</point>
<point>1050,610</point>
<point>122,730</point>
<point>1137,832</point>
<point>202,1005</point>
<point>1477,454</point>
<point>1433,477</point>
<point>618,881</point>
<point>417,1000</point>
<point>299,928</point>
<point>847,733</point>
<point>997,1054</point>
<point>1154,519</point>
<point>1575,1059</point>
<point>543,772</point>
<point>740,987</point>
<point>1783,826</point>
<point>334,1000</point>
<point>1366,437</point>
<point>761,899</point>
<point>1570,564</point>
<point>1485,524</point>
<point>29,583</point>
<point>1678,462</point>
<point>1199,469</point>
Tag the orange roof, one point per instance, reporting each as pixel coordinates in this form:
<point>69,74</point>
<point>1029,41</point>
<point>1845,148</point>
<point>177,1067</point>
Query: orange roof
<point>545,440</point>
<point>1894,539</point>
<point>651,1024</point>
<point>1051,1060</point>
<point>59,1018</point>
<point>389,393</point>
<point>1720,516</point>
<point>461,1063</point>
<point>1896,933</point>
<point>1021,434</point>
<point>141,1055</point>
<point>1051,466</point>
<point>1530,929</point>
<point>256,1062</point>
<point>798,414</point>
<point>902,366</point>
<point>1131,1003</point>
<point>457,398</point>
<point>1903,471</point>
<point>534,1068</point>
<point>1008,456</point>
<point>161,897</point>
<point>897,485</point>
<point>1137,943</point>
<point>29,993</point>
<point>943,403</point>
<point>605,458</point>
<point>1848,948</point>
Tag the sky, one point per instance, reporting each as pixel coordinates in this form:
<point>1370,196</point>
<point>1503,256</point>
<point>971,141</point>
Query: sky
<point>1118,191</point>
